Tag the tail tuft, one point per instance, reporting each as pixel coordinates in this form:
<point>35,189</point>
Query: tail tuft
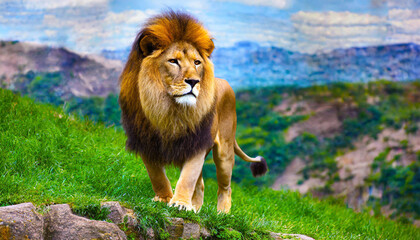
<point>258,169</point>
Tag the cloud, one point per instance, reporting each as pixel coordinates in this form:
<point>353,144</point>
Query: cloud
<point>50,33</point>
<point>316,31</point>
<point>395,3</point>
<point>334,18</point>
<point>85,26</point>
<point>258,28</point>
<point>404,25</point>
<point>329,30</point>
<point>340,31</point>
<point>51,4</point>
<point>281,4</point>
<point>112,31</point>
<point>402,14</point>
<point>128,17</point>
<point>90,26</point>
<point>402,3</point>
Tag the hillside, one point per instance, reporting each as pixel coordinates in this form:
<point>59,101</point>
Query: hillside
<point>322,139</point>
<point>49,157</point>
<point>72,74</point>
<point>358,143</point>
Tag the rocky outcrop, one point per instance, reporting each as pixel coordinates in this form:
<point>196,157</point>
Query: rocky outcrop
<point>325,118</point>
<point>355,166</point>
<point>23,222</point>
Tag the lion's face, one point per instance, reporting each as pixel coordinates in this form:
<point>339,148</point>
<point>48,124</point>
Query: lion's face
<point>181,69</point>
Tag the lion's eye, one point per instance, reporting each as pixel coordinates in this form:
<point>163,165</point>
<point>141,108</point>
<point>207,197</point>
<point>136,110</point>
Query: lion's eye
<point>197,62</point>
<point>175,61</point>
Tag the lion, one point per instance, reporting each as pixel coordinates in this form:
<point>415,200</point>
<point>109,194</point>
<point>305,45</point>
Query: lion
<point>174,111</point>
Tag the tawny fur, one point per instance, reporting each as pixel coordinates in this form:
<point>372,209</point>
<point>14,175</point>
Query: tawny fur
<point>163,131</point>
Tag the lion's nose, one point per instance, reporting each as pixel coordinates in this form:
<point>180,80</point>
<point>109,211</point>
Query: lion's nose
<point>192,82</point>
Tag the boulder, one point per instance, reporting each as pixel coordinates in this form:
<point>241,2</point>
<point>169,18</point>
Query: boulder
<point>21,222</point>
<point>63,224</point>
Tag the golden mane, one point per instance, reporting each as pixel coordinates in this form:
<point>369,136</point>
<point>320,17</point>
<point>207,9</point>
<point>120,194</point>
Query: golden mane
<point>161,31</point>
<point>143,98</point>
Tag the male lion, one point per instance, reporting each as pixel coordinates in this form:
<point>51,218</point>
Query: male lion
<point>174,111</point>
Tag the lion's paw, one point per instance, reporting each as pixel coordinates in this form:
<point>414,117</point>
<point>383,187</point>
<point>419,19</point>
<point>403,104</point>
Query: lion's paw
<point>162,199</point>
<point>197,208</point>
<point>182,206</point>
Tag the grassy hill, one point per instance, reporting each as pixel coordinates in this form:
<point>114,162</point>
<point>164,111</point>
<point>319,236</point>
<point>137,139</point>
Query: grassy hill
<point>323,128</point>
<point>48,156</point>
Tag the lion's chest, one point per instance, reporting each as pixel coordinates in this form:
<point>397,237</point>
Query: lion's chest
<point>152,147</point>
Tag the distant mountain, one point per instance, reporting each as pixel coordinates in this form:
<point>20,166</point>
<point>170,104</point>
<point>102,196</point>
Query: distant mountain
<point>250,65</point>
<point>247,64</point>
<point>75,74</point>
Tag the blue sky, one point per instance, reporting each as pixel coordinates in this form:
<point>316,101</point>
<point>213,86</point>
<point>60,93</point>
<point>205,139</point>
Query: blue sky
<point>299,25</point>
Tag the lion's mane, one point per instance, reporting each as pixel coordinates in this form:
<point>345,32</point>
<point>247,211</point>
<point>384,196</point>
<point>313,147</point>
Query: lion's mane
<point>157,128</point>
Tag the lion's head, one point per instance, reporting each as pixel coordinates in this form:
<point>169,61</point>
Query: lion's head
<point>169,75</point>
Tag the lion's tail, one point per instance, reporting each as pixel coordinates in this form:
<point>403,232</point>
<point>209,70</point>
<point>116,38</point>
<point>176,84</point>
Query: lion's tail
<point>258,164</point>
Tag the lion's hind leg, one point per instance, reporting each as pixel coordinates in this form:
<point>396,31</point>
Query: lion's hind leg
<point>160,182</point>
<point>224,158</point>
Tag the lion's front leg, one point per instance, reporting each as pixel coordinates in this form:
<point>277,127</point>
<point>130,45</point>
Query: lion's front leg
<point>160,182</point>
<point>198,197</point>
<point>186,184</point>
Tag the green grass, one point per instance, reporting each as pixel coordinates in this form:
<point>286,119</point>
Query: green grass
<point>48,157</point>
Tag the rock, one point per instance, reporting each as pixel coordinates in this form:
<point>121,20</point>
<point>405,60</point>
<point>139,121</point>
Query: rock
<point>150,234</point>
<point>125,219</point>
<point>175,228</point>
<point>191,230</point>
<point>21,222</point>
<point>131,217</point>
<point>178,228</point>
<point>118,214</point>
<point>63,224</point>
<point>204,233</point>
<point>281,236</point>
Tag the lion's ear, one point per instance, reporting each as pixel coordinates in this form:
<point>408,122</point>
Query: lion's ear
<point>147,44</point>
<point>210,48</point>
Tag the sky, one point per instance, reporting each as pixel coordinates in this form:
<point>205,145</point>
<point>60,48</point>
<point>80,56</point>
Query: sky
<point>306,26</point>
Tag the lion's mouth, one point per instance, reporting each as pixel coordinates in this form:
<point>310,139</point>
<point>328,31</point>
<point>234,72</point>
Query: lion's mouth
<point>186,94</point>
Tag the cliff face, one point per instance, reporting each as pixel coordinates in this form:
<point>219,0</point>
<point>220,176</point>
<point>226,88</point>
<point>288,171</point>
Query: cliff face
<point>365,171</point>
<point>82,75</point>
